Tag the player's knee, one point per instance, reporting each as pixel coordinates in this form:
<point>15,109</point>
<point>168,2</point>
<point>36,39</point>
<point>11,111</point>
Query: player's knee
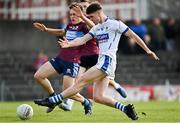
<point>97,99</point>
<point>80,85</point>
<point>37,76</point>
<point>82,78</point>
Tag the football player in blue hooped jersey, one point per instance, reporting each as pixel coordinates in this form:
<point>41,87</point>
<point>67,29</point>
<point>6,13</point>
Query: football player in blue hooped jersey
<point>66,62</point>
<point>108,32</point>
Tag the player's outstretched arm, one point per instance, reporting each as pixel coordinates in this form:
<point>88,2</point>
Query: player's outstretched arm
<point>42,27</point>
<point>76,42</point>
<point>80,14</point>
<point>141,43</point>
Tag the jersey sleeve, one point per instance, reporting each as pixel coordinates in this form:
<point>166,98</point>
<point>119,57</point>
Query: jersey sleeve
<point>121,27</point>
<point>92,31</point>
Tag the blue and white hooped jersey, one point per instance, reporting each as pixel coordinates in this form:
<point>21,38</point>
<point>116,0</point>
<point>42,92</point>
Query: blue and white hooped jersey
<point>108,35</point>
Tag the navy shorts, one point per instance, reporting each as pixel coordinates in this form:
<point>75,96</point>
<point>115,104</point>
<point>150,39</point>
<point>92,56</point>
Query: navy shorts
<point>64,67</point>
<point>88,61</point>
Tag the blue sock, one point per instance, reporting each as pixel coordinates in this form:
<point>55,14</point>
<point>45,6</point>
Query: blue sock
<point>86,102</point>
<point>56,99</point>
<point>120,106</point>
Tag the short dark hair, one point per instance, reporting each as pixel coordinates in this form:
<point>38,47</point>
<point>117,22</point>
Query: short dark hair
<point>75,4</point>
<point>93,7</point>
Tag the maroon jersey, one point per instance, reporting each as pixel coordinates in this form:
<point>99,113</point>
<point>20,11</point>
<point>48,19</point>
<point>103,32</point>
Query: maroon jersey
<point>72,32</point>
<point>90,48</point>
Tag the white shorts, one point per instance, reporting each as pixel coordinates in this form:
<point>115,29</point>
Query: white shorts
<point>107,65</point>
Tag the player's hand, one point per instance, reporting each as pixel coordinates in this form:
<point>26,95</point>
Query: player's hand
<point>78,11</point>
<point>153,55</point>
<point>40,26</point>
<point>64,43</point>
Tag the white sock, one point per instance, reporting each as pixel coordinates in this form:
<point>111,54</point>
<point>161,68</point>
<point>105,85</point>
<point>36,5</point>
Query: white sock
<point>69,103</point>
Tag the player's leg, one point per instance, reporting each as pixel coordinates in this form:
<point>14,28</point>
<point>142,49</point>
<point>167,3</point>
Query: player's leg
<point>68,82</point>
<point>118,88</point>
<point>86,103</point>
<point>81,82</point>
<point>81,70</point>
<point>90,75</point>
<point>68,103</point>
<point>100,97</point>
<point>99,88</point>
<point>99,94</point>
<point>70,71</point>
<point>41,75</point>
<point>87,77</point>
<point>73,74</point>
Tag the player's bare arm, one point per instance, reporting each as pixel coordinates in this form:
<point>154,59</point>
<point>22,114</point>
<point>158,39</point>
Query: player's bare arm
<point>80,14</point>
<point>76,42</point>
<point>42,27</point>
<point>132,36</point>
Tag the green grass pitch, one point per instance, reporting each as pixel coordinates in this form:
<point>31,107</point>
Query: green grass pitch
<point>155,112</point>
